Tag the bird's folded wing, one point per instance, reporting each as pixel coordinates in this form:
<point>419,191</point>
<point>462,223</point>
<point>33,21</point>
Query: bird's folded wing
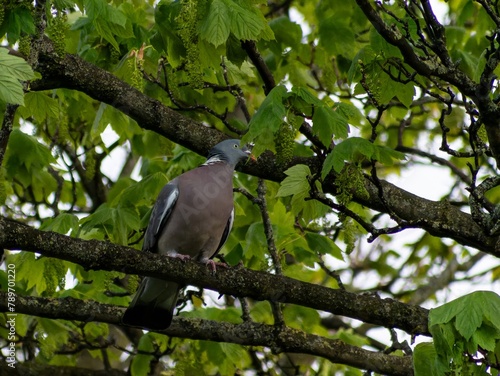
<point>160,215</point>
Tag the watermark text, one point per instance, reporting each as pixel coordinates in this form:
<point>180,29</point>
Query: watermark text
<point>11,315</point>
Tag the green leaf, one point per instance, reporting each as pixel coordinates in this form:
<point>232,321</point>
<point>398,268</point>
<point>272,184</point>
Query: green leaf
<point>266,121</point>
<point>486,337</point>
<point>143,191</point>
<point>103,28</point>
<point>384,87</point>
<point>234,354</point>
<point>116,222</point>
<point>424,360</point>
<point>246,22</point>
<point>337,37</point>
<point>96,330</point>
<point>308,209</point>
<point>15,66</point>
<point>124,220</point>
<point>307,96</point>
<point>239,75</point>
<point>17,20</point>
<point>100,216</point>
<point>469,320</point>
<point>350,337</point>
<point>99,126</point>
<point>444,339</point>
<point>355,148</point>
<point>141,362</point>
<point>255,241</point>
<point>469,312</point>
<point>166,39</point>
<point>405,94</point>
<point>475,318</point>
<point>11,90</point>
<point>44,273</point>
<point>381,47</point>
<point>27,269</point>
<point>365,55</point>
<point>13,69</point>
<point>27,150</point>
<point>215,28</point>
<point>53,335</point>
<point>323,245</point>
<point>386,155</point>
<point>62,224</point>
<point>271,110</point>
<point>40,106</point>
<point>296,181</point>
<point>328,123</point>
<point>108,21</point>
<point>286,32</point>
<point>302,318</point>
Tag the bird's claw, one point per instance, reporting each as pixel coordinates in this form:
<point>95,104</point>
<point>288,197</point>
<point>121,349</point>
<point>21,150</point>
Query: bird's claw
<point>182,257</point>
<point>213,265</point>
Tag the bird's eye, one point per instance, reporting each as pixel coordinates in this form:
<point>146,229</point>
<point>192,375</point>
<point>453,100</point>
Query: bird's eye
<point>235,146</point>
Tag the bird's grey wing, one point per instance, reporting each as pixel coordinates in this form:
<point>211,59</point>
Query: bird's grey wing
<point>155,300</point>
<point>226,232</point>
<point>160,214</point>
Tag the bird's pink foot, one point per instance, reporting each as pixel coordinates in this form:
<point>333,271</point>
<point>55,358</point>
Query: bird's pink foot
<point>213,265</point>
<point>182,257</point>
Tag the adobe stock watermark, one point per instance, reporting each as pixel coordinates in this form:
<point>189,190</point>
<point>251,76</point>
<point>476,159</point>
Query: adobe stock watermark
<point>11,315</point>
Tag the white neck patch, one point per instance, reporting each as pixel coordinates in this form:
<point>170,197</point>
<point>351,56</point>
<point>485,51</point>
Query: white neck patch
<point>213,160</point>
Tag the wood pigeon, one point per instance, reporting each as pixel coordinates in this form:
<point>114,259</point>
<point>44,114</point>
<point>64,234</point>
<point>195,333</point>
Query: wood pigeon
<point>192,218</point>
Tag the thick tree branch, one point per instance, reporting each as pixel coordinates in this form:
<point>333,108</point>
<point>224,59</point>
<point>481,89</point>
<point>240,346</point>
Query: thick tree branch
<point>72,72</point>
<point>439,218</point>
<point>236,281</point>
<point>282,339</point>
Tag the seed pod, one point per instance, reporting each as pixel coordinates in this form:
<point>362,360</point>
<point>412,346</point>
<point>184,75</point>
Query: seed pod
<point>284,142</point>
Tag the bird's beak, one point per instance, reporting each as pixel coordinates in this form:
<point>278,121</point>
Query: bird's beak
<point>247,149</point>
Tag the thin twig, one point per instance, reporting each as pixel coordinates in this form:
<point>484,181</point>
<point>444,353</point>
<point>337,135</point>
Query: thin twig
<point>268,228</point>
<point>265,73</point>
<point>331,273</point>
<point>261,202</point>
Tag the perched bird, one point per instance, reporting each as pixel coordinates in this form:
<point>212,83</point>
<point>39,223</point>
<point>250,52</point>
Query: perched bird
<point>192,218</point>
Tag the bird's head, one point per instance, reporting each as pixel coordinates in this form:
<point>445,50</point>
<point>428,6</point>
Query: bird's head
<point>229,151</point>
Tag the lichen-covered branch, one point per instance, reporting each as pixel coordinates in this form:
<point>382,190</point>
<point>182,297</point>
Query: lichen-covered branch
<point>282,339</point>
<point>236,281</point>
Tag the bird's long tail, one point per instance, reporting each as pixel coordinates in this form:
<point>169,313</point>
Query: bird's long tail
<point>153,305</point>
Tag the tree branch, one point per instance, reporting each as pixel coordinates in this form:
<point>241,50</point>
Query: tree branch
<point>72,72</point>
<point>238,281</point>
<point>282,339</point>
<point>265,73</point>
